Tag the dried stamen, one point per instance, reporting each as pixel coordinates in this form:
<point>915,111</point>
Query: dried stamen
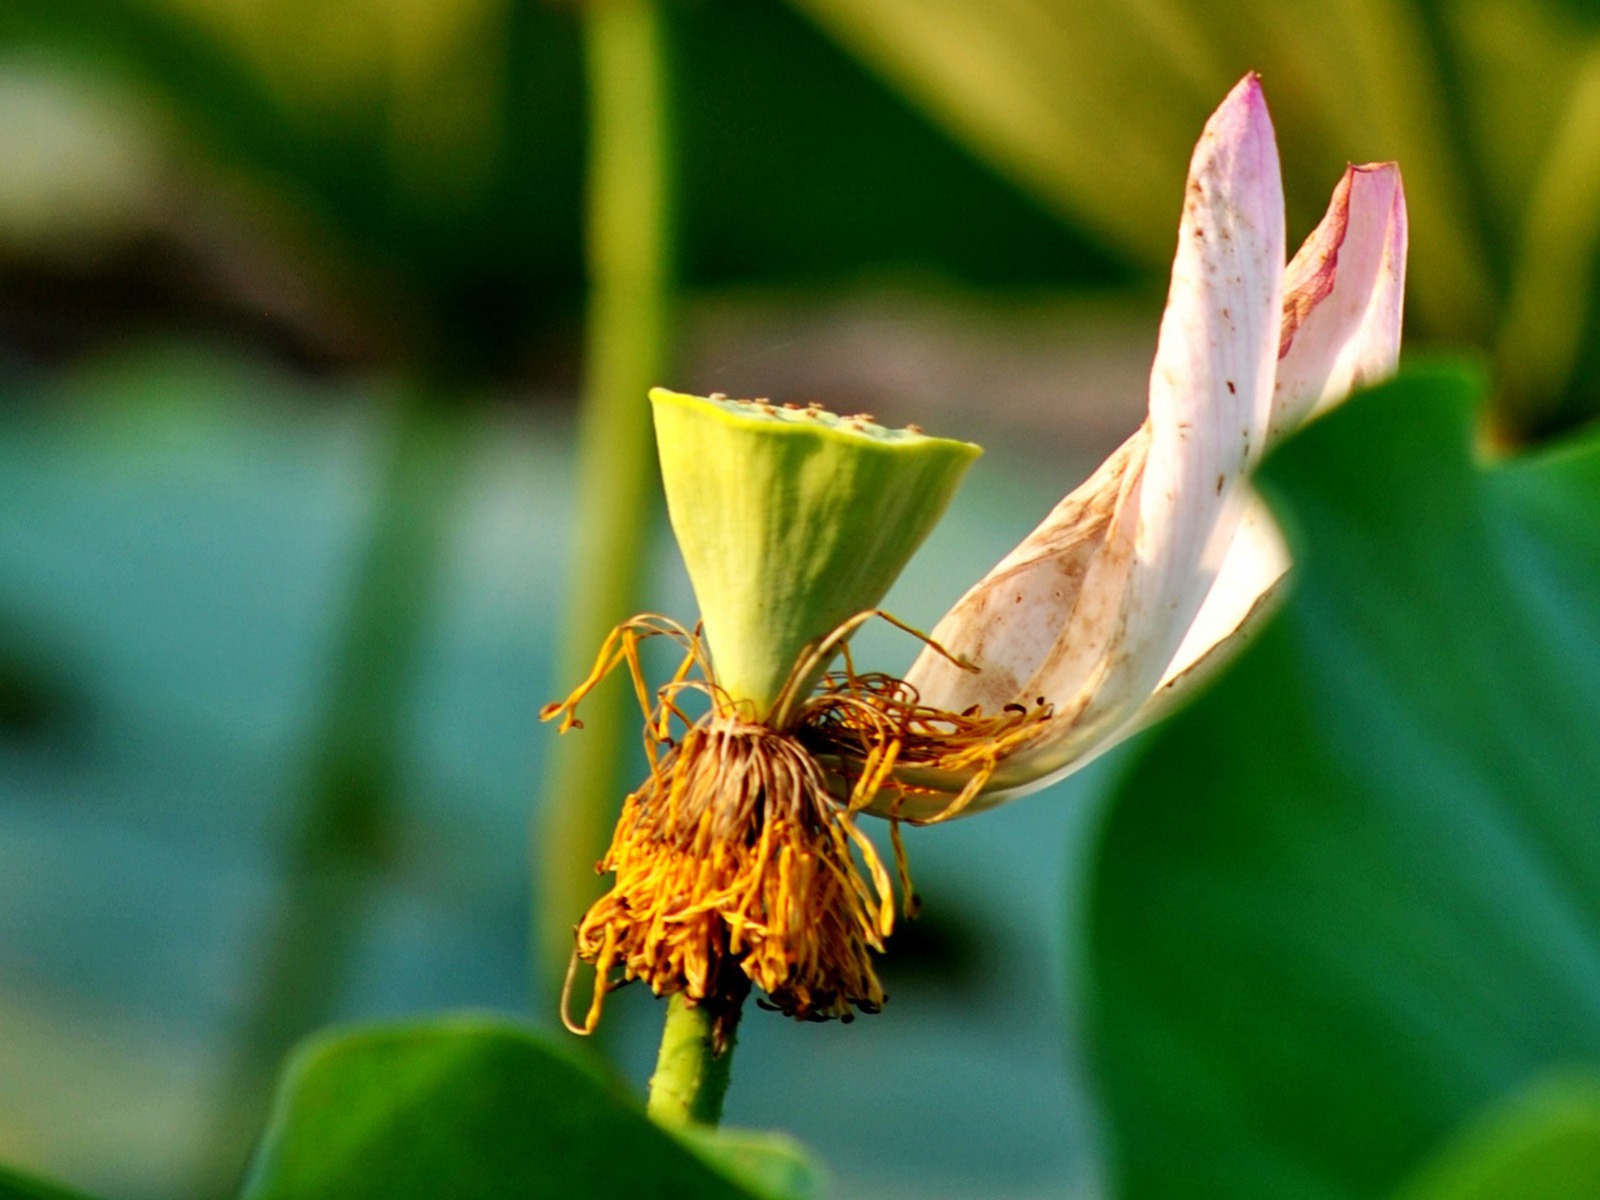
<point>739,861</point>
<point>735,852</point>
<point>855,720</point>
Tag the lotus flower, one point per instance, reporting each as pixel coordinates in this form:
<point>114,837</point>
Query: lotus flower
<point>1146,576</point>
<point>739,862</point>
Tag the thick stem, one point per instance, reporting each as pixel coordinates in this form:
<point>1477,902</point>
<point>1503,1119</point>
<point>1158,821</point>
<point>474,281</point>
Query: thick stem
<point>629,252</point>
<point>691,1076</point>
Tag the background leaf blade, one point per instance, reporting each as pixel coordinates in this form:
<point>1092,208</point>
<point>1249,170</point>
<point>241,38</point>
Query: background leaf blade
<point>473,1107</point>
<point>1350,898</point>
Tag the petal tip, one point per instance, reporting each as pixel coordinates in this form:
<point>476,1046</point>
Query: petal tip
<point>1247,94</point>
<point>1245,98</point>
<point>1241,120</point>
<point>1376,187</point>
<point>1380,175</point>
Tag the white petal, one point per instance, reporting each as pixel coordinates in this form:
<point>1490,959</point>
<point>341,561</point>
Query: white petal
<point>1210,403</point>
<point>1091,607</point>
<point>1341,328</point>
<point>1257,561</point>
<point>1009,621</point>
<point>1243,596</point>
<point>1343,298</point>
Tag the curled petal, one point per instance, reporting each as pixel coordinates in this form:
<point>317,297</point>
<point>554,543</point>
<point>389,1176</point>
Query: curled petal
<point>1341,328</point>
<point>1342,310</point>
<point>1343,298</point>
<point>1210,402</point>
<point>1244,595</point>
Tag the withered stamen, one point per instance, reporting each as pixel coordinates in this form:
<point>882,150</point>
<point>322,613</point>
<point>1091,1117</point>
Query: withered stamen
<point>739,860</point>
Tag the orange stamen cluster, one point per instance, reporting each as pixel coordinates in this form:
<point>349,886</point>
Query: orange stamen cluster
<point>732,854</point>
<point>734,849</point>
<point>739,857</point>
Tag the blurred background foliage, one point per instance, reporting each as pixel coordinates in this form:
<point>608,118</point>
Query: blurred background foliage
<point>418,165</point>
<point>292,325</point>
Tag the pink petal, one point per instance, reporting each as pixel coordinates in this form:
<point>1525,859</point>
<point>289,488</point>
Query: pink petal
<point>1256,563</point>
<point>1341,327</point>
<point>1343,298</point>
<point>1089,610</point>
<point>1210,403</point>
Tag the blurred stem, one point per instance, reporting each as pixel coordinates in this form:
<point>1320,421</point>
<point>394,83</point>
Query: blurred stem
<point>629,251</point>
<point>1473,189</point>
<point>1542,332</point>
<point>343,829</point>
<point>691,1079</point>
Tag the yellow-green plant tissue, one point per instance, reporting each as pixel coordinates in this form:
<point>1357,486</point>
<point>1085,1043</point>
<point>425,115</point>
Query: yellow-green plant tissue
<point>792,520</point>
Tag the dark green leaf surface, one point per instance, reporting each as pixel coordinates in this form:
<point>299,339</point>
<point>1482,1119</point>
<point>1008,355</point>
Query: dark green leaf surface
<point>1353,896</point>
<point>1543,1144</point>
<point>15,1186</point>
<point>478,1109</point>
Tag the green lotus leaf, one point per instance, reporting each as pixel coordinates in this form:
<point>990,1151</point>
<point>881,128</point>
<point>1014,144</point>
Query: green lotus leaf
<point>476,1108</point>
<point>1351,898</point>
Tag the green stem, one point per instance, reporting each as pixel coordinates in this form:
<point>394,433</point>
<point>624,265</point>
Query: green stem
<point>629,251</point>
<point>343,829</point>
<point>691,1079</point>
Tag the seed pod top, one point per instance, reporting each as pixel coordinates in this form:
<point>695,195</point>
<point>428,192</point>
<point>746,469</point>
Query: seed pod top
<point>792,520</point>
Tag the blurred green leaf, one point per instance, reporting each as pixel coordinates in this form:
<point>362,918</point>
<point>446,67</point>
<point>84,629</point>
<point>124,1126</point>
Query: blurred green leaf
<point>423,159</point>
<point>1487,105</point>
<point>479,1109</point>
<point>1096,111</point>
<point>1042,90</point>
<point>421,164</point>
<point>16,1186</point>
<point>1543,1144</point>
<point>769,1164</point>
<point>800,165</point>
<point>1353,895</point>
<point>1551,307</point>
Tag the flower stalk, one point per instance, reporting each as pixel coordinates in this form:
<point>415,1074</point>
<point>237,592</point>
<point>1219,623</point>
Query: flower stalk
<point>694,1064</point>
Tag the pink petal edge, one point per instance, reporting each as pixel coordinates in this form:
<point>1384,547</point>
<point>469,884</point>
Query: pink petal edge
<point>1344,297</point>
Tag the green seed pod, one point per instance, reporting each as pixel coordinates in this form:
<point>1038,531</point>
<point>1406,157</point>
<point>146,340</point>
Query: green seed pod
<point>791,521</point>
